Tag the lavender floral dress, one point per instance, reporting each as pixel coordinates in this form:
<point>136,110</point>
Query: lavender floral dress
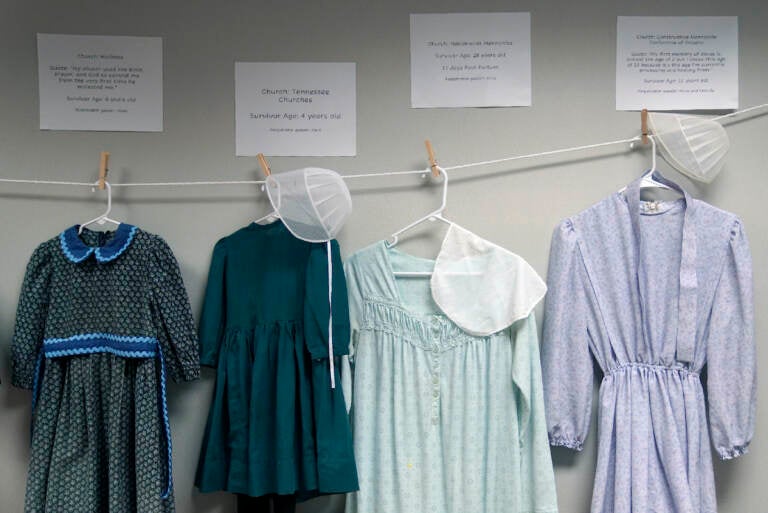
<point>657,293</point>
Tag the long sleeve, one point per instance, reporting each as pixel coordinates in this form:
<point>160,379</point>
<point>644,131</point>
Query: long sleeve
<point>334,447</point>
<point>30,318</point>
<point>355,305</point>
<point>537,476</point>
<point>316,304</point>
<point>355,300</point>
<point>173,316</point>
<point>731,368</point>
<point>566,360</point>
<point>214,315</point>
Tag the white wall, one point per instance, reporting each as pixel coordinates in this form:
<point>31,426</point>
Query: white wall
<point>513,205</point>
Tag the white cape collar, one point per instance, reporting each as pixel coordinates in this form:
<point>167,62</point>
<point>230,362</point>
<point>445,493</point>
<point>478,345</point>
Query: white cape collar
<point>482,287</point>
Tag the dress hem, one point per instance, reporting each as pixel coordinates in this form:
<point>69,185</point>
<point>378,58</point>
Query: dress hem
<point>301,495</point>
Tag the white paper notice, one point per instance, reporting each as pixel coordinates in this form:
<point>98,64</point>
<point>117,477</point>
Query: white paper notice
<point>100,83</point>
<point>470,60</point>
<point>677,63</point>
<point>295,108</point>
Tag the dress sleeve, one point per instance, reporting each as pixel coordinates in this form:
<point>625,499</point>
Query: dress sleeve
<point>316,304</point>
<point>173,316</point>
<point>355,305</point>
<point>731,368</point>
<point>30,318</point>
<point>213,319</point>
<point>355,314</point>
<point>538,479</point>
<point>566,360</point>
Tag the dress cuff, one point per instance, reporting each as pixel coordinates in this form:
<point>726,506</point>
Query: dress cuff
<point>190,372</point>
<point>22,382</point>
<point>733,452</point>
<point>561,441</point>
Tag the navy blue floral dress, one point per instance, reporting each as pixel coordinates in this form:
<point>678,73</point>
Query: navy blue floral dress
<point>102,318</point>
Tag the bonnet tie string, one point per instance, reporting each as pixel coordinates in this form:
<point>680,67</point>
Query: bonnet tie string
<point>330,314</point>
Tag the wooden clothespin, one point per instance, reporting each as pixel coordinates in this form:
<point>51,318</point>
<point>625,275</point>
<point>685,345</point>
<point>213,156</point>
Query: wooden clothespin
<point>103,169</point>
<point>644,125</point>
<point>432,161</point>
<point>263,163</point>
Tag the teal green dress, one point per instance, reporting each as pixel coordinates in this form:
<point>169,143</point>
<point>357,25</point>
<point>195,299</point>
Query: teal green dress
<point>275,425</point>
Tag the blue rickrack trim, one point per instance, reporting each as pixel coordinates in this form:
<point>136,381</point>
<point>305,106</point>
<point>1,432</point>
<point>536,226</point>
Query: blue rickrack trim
<point>109,336</point>
<point>99,349</point>
<point>125,346</point>
<point>120,345</point>
<point>68,253</point>
<point>103,253</point>
<point>77,251</point>
<point>166,424</point>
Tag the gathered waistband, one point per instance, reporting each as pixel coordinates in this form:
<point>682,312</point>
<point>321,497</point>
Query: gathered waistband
<point>651,367</point>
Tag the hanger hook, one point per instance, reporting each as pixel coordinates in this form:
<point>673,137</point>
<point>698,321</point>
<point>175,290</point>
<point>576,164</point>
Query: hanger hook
<point>105,215</point>
<point>109,198</point>
<point>392,240</point>
<point>435,214</point>
<point>444,202</point>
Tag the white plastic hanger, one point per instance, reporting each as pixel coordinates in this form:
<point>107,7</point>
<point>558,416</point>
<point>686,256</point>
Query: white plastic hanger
<point>103,218</point>
<point>268,219</point>
<point>647,180</point>
<point>435,215</point>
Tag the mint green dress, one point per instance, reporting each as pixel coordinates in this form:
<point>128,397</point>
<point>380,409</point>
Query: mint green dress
<point>275,424</point>
<point>444,421</point>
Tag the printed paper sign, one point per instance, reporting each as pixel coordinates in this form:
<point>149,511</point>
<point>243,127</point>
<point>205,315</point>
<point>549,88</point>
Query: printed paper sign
<point>677,63</point>
<point>470,60</point>
<point>100,83</point>
<point>295,109</point>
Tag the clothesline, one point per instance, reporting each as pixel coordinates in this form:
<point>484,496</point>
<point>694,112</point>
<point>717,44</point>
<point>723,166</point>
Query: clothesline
<point>360,175</point>
<point>739,112</point>
<point>373,174</point>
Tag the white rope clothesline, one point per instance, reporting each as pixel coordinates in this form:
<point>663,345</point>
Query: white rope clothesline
<point>374,174</point>
<point>133,184</point>
<point>739,112</point>
<point>360,175</point>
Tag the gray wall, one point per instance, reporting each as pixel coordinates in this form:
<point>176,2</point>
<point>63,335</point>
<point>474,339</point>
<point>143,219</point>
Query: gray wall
<point>515,206</point>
